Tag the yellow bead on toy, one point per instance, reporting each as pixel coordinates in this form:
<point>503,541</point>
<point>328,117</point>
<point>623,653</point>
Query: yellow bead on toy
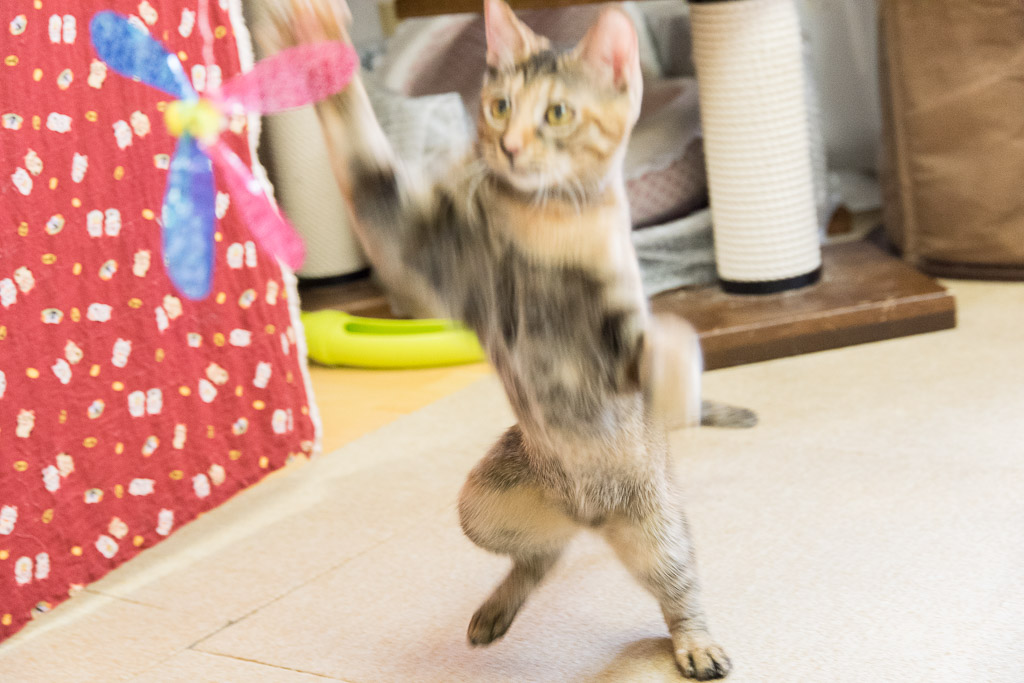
<point>199,118</point>
<point>175,117</point>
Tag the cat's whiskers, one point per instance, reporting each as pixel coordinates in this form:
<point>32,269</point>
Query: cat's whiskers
<point>540,195</point>
<point>577,194</point>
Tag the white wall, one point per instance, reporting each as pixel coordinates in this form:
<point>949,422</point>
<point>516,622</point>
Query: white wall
<point>366,30</point>
<point>843,36</point>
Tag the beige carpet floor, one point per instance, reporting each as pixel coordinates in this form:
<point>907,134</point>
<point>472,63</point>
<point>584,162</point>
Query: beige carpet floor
<point>870,529</point>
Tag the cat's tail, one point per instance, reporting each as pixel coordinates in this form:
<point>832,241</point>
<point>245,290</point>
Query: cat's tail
<point>713,414</point>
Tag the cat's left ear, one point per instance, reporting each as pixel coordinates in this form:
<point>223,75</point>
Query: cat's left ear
<point>611,46</point>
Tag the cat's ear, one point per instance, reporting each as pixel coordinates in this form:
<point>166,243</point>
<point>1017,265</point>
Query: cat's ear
<point>508,39</point>
<point>611,47</point>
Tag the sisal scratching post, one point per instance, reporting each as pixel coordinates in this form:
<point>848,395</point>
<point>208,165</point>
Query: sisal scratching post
<point>750,68</point>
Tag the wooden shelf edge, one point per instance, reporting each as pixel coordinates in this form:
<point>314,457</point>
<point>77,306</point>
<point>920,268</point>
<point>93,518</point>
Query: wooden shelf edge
<point>866,295</point>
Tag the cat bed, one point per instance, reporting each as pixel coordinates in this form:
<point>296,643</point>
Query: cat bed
<point>664,166</point>
<point>126,410</point>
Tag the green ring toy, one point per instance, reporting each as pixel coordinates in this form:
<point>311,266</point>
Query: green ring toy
<point>338,338</point>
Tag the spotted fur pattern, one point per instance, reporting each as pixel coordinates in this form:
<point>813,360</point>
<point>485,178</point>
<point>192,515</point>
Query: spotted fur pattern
<point>527,241</point>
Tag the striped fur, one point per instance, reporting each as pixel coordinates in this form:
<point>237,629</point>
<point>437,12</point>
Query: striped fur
<point>532,250</point>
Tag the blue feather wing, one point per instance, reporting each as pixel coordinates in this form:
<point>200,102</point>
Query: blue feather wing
<point>188,218</point>
<point>134,53</point>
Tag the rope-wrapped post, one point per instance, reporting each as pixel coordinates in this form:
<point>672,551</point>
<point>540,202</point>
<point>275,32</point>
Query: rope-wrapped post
<point>750,68</point>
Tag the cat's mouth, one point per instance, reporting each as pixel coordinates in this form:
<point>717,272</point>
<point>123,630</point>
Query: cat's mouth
<point>527,181</point>
<point>528,177</point>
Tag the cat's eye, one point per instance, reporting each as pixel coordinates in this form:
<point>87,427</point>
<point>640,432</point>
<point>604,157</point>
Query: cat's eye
<point>500,109</point>
<point>558,114</point>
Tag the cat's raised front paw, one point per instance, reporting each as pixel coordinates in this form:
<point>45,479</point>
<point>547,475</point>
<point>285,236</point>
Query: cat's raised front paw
<point>704,663</point>
<point>489,623</point>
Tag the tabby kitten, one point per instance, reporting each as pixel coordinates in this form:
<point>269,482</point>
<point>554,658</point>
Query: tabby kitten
<point>528,243</point>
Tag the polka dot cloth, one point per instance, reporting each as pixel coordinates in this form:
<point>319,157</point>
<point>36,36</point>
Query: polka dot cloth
<point>125,409</point>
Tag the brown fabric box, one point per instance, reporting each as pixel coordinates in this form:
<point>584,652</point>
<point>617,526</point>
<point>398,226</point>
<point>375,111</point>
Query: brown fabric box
<point>953,101</point>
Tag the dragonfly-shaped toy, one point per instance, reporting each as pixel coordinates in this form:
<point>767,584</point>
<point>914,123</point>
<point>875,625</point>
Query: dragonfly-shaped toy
<point>291,78</point>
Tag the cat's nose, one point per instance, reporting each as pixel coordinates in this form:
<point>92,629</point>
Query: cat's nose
<point>511,148</point>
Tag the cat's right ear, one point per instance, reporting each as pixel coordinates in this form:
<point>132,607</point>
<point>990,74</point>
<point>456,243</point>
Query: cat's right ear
<point>508,39</point>
<point>611,46</point>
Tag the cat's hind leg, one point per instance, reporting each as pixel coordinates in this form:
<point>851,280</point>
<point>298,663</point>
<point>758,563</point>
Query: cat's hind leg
<point>504,509</point>
<point>656,548</point>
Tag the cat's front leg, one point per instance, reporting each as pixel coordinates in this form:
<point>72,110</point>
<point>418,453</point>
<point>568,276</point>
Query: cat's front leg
<point>298,22</point>
<point>387,204</point>
<point>656,548</point>
<point>671,368</point>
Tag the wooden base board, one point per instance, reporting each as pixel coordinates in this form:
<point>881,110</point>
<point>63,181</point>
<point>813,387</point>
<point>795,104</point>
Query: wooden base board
<point>864,295</point>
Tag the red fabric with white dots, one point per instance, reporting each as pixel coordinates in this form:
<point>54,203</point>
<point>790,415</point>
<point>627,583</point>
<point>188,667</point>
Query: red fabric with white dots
<point>125,409</point>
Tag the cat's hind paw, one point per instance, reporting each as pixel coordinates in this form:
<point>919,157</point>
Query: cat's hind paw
<point>704,663</point>
<point>489,623</point>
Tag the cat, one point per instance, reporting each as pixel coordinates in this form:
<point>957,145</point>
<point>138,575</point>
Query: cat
<point>528,243</point>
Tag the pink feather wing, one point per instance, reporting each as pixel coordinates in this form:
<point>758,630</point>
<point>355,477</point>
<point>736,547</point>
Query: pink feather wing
<point>271,229</point>
<point>291,78</point>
